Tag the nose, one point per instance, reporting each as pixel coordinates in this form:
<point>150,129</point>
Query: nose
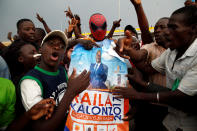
<point>32,31</point>
<point>57,47</point>
<point>157,30</point>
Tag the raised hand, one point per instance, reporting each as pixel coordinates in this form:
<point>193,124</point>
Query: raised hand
<point>117,23</point>
<point>69,13</point>
<point>121,48</point>
<point>72,23</point>
<point>39,18</point>
<point>9,36</point>
<point>77,84</point>
<point>44,108</point>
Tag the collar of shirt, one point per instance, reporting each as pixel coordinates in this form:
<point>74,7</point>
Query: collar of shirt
<point>191,51</point>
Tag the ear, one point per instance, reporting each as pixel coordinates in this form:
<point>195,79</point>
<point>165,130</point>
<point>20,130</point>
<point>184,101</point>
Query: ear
<point>40,50</point>
<point>20,59</point>
<point>194,29</point>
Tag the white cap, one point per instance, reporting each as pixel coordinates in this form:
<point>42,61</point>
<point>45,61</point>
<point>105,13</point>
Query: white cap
<point>59,33</point>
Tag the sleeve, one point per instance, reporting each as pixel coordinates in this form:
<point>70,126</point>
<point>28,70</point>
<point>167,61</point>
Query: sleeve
<point>9,112</point>
<point>159,63</point>
<point>30,92</point>
<point>189,81</point>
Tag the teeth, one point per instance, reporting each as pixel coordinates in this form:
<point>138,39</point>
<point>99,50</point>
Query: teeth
<point>37,55</point>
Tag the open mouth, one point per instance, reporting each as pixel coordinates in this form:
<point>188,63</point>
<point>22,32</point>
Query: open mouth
<point>54,56</point>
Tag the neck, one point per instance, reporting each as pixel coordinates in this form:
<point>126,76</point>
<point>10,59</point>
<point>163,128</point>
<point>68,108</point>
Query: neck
<point>182,50</point>
<point>48,68</point>
<point>128,37</point>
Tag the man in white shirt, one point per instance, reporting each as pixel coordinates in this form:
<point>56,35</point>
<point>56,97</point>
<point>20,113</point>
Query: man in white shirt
<point>179,64</point>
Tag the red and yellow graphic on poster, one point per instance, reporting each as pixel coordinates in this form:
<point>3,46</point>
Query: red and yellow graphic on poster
<point>95,110</point>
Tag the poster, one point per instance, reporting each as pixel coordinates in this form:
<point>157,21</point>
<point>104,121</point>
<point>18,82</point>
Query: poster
<point>96,109</point>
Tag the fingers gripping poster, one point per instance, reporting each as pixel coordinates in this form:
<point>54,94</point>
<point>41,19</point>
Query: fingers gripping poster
<point>96,109</point>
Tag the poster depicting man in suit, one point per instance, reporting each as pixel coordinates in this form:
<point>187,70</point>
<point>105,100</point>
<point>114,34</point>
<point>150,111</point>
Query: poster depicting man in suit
<point>99,72</point>
<point>97,108</point>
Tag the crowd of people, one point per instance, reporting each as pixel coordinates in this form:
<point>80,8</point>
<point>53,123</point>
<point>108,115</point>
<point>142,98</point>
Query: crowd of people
<point>36,90</point>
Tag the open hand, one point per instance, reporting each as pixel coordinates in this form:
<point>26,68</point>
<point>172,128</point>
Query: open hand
<point>69,13</point>
<point>77,84</point>
<point>121,49</point>
<point>44,108</point>
<point>72,24</point>
<point>39,18</point>
<point>9,36</point>
<point>117,23</point>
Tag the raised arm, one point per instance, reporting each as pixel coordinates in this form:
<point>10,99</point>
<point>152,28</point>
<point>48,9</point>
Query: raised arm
<point>142,21</point>
<point>10,36</point>
<point>46,27</point>
<point>77,29</point>
<point>115,25</point>
<point>138,57</point>
<point>69,13</point>
<point>135,55</point>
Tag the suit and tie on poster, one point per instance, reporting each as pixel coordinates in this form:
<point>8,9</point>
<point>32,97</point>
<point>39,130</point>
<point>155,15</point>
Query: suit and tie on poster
<point>99,73</point>
<point>96,108</point>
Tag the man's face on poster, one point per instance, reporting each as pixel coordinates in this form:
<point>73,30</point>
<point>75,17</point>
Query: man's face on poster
<point>98,57</point>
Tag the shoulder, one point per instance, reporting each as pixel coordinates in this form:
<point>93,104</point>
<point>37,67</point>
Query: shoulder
<point>149,46</point>
<point>6,85</point>
<point>104,66</point>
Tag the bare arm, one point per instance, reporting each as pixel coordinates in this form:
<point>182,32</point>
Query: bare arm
<point>43,108</point>
<point>77,33</point>
<point>69,13</point>
<point>10,36</point>
<point>135,55</point>
<point>143,22</point>
<point>115,25</point>
<point>176,99</point>
<point>46,27</point>
<point>75,86</point>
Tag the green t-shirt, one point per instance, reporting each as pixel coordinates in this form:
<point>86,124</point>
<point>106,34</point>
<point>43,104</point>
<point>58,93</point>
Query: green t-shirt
<point>7,102</point>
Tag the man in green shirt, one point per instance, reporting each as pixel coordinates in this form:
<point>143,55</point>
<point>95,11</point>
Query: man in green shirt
<point>7,102</point>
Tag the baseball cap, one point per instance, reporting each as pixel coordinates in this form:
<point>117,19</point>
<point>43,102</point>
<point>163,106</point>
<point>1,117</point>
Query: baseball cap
<point>58,33</point>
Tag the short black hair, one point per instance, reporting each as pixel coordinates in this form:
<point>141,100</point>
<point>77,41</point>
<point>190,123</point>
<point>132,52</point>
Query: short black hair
<point>190,14</point>
<point>131,28</point>
<point>21,21</point>
<point>165,18</point>
<point>41,32</point>
<point>11,56</point>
